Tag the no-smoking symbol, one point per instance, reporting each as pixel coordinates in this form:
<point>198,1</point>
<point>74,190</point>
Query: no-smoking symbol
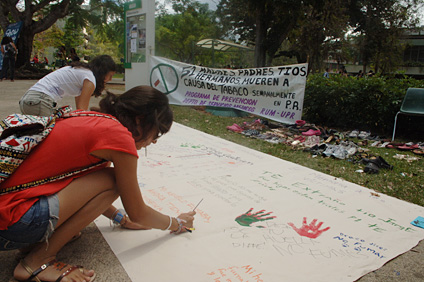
<point>164,78</point>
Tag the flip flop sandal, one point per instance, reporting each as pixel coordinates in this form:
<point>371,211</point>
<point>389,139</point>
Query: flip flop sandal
<point>33,274</point>
<point>404,148</point>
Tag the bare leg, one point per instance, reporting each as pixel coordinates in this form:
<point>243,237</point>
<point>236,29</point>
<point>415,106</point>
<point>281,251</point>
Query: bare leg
<point>81,202</point>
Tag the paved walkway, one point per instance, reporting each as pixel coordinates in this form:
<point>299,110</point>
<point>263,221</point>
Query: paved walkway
<point>92,251</point>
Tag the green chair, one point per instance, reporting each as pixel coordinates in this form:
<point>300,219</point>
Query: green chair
<point>413,104</point>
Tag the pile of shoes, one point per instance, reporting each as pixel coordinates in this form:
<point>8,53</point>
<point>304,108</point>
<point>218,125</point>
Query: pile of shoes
<point>319,140</point>
<point>256,128</point>
<point>256,124</point>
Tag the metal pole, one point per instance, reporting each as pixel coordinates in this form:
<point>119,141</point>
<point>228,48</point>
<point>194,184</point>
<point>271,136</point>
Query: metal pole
<point>213,53</point>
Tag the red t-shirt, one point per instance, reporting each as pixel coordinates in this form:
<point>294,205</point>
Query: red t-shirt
<point>66,148</point>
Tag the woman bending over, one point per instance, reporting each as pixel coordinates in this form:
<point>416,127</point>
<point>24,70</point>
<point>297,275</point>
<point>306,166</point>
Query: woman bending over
<point>47,215</point>
<point>79,80</point>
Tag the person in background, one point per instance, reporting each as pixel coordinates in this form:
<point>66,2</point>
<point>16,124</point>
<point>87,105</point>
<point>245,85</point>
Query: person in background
<point>44,218</point>
<point>35,60</point>
<point>73,55</point>
<point>61,57</point>
<point>326,74</point>
<point>9,51</point>
<point>79,80</point>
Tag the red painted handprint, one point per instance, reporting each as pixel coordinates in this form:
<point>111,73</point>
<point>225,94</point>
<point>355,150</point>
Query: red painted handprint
<point>311,230</point>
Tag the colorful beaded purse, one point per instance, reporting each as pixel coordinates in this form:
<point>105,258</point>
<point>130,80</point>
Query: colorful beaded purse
<point>19,134</point>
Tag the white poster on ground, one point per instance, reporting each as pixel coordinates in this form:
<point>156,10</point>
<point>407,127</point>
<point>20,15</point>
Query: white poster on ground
<point>275,93</point>
<point>260,219</point>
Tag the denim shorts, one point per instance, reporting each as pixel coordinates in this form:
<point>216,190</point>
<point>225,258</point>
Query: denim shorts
<point>36,225</point>
<point>37,103</point>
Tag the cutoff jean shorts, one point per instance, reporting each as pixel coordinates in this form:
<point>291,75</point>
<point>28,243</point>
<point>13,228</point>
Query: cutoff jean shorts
<point>36,225</point>
<point>37,103</point>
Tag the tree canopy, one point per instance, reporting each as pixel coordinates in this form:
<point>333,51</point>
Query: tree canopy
<point>177,32</point>
<point>315,28</point>
<point>379,24</point>
<point>39,15</point>
<point>309,30</point>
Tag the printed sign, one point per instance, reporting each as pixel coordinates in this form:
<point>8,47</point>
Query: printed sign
<point>12,31</point>
<point>275,93</point>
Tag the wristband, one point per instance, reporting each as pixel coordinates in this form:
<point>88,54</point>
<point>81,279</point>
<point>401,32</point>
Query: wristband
<point>180,226</point>
<point>170,223</point>
<point>117,217</point>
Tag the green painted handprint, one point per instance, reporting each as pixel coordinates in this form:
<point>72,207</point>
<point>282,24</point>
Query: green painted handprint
<point>248,218</point>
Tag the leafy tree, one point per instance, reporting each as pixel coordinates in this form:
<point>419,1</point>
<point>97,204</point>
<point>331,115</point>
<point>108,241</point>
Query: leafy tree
<point>51,37</point>
<point>319,31</point>
<point>98,44</point>
<point>73,36</point>
<point>177,33</point>
<point>267,23</point>
<point>317,28</point>
<point>39,15</point>
<point>379,25</point>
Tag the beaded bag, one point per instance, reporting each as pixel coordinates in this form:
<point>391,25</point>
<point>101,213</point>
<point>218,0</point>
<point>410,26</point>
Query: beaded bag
<point>19,134</point>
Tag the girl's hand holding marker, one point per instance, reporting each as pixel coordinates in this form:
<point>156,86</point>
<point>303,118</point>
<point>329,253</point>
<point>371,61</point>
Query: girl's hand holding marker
<point>182,221</point>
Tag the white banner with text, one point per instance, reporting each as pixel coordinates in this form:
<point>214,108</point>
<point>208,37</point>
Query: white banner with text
<point>275,93</point>
<point>258,218</point>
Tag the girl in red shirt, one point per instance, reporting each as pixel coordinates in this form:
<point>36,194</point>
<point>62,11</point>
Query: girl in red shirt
<point>28,217</point>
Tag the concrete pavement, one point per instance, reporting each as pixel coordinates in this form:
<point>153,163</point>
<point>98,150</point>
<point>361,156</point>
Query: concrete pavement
<point>92,251</point>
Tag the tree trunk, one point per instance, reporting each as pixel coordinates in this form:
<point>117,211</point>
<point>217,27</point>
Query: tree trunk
<point>24,46</point>
<point>9,10</point>
<point>260,51</point>
<point>377,62</point>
